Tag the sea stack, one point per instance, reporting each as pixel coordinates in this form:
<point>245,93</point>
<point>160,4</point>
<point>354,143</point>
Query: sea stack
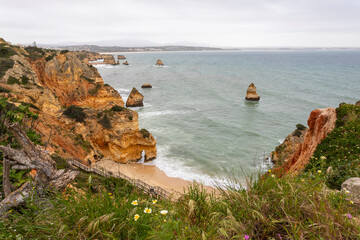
<point>121,57</point>
<point>135,99</point>
<point>125,63</point>
<point>251,94</point>
<point>146,85</point>
<point>159,63</point>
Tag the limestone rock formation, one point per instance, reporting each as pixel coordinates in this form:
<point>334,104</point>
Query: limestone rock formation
<point>121,57</point>
<point>146,85</point>
<point>251,94</point>
<point>159,63</point>
<point>135,99</point>
<point>53,85</point>
<point>352,185</point>
<point>125,63</point>
<point>321,122</point>
<point>109,59</point>
<point>287,148</point>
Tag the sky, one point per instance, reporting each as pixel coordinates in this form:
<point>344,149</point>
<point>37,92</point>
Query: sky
<point>221,23</point>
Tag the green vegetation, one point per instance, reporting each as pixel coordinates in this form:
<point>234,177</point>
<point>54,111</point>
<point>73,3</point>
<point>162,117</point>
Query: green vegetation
<point>13,80</point>
<point>4,90</point>
<point>76,113</point>
<point>111,208</point>
<point>50,57</point>
<point>5,64</point>
<point>84,144</point>
<point>94,91</point>
<point>145,133</point>
<point>19,115</point>
<point>338,155</point>
<point>6,51</point>
<point>118,108</point>
<point>34,52</point>
<point>87,79</point>
<point>105,121</point>
<point>299,129</point>
<point>24,80</point>
<point>64,51</point>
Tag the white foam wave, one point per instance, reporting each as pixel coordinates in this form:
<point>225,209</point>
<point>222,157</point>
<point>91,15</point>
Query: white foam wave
<point>174,167</point>
<point>123,90</point>
<point>158,113</point>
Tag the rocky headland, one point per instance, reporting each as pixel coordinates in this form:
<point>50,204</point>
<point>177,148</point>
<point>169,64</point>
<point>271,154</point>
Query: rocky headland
<point>78,115</point>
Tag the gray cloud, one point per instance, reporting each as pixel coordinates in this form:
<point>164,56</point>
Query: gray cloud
<point>221,23</point>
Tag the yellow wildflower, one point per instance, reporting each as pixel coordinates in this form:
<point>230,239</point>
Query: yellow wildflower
<point>136,217</point>
<point>319,171</point>
<point>269,170</point>
<point>302,180</point>
<point>164,212</point>
<point>154,201</point>
<point>134,202</point>
<point>147,210</point>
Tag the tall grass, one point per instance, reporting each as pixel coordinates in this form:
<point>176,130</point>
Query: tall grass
<point>270,208</point>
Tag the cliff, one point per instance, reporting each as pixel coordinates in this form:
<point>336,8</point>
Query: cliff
<point>55,83</point>
<point>321,122</point>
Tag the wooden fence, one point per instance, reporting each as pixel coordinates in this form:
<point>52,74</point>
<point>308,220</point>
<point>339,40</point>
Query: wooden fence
<point>154,191</point>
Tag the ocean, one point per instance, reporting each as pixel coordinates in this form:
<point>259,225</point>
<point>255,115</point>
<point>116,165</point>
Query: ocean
<point>205,130</point>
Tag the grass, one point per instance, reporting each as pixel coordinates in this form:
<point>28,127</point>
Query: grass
<point>34,52</point>
<point>105,122</point>
<point>13,80</point>
<point>6,52</point>
<point>271,208</point>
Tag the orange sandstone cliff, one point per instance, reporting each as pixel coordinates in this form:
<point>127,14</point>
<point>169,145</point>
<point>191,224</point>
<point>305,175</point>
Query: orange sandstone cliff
<point>321,122</point>
<point>52,81</point>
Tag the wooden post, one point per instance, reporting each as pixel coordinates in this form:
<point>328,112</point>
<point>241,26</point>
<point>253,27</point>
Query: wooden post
<point>6,177</point>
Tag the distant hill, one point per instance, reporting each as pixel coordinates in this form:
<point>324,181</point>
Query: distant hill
<point>95,48</point>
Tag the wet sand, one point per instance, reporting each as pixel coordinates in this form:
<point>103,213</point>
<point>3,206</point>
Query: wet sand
<point>150,174</point>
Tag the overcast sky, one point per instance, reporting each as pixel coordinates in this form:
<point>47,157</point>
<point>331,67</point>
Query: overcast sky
<point>226,23</point>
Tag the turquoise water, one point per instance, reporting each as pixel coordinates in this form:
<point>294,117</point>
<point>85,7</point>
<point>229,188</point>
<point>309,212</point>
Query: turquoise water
<point>197,112</point>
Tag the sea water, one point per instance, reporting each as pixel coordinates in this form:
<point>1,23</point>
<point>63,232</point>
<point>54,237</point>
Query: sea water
<point>205,130</point>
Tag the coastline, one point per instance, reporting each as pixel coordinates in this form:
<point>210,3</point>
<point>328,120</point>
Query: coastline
<point>152,175</point>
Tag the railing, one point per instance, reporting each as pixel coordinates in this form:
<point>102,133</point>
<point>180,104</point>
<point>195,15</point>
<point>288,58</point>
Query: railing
<point>154,191</point>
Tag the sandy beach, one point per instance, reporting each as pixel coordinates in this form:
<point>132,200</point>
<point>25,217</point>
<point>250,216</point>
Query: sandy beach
<point>150,174</point>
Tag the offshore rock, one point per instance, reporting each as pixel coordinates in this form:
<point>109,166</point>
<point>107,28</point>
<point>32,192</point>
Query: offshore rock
<point>125,63</point>
<point>146,85</point>
<point>321,122</point>
<point>121,57</point>
<point>159,63</point>
<point>251,94</point>
<point>109,59</point>
<point>287,148</point>
<point>108,131</point>
<point>135,99</point>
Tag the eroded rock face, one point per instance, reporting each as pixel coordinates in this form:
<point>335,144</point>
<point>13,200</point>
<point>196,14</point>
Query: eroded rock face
<point>352,185</point>
<point>321,122</point>
<point>251,94</point>
<point>159,63</point>
<point>135,99</point>
<point>121,57</point>
<point>287,148</point>
<point>109,59</point>
<point>108,131</point>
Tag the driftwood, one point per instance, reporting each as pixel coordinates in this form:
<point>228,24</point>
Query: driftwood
<point>30,157</point>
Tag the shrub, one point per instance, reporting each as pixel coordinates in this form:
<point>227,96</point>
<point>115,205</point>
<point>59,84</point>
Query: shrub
<point>24,80</point>
<point>34,52</point>
<point>13,80</point>
<point>64,51</point>
<point>4,90</point>
<point>299,129</point>
<point>84,144</point>
<point>87,79</point>
<point>50,57</point>
<point>76,113</point>
<point>6,52</point>
<point>95,90</point>
<point>118,108</point>
<point>5,64</point>
<point>145,133</point>
<point>105,121</point>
